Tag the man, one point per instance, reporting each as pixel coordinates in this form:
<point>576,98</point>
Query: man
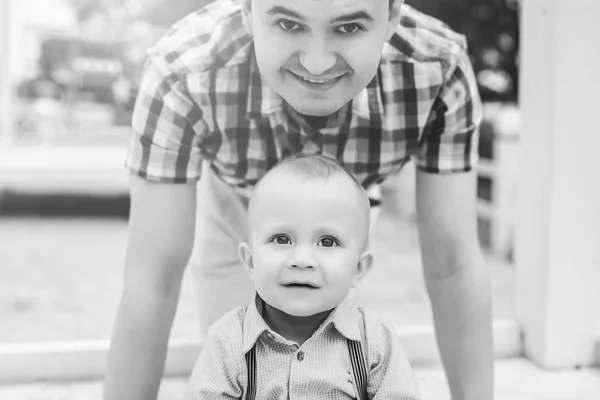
<point>240,84</point>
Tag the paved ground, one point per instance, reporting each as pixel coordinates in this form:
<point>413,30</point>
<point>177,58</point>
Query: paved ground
<point>515,380</point>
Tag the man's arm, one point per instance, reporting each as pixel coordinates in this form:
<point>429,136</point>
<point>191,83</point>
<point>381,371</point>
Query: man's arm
<point>161,235</point>
<point>457,281</point>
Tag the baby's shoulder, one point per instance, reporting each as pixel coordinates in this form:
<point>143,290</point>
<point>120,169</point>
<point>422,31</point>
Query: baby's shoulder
<point>228,330</point>
<point>378,332</point>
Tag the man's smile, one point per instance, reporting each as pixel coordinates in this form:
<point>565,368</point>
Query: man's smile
<point>317,84</point>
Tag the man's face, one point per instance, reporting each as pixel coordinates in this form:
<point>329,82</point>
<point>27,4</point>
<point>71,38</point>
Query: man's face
<point>308,241</point>
<point>317,54</point>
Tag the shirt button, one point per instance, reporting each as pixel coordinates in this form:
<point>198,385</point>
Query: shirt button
<point>270,336</point>
<point>300,356</point>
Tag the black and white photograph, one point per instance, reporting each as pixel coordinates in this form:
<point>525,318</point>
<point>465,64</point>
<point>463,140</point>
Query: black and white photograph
<point>299,199</point>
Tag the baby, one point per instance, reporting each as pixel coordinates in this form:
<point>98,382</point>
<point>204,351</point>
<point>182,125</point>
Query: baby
<point>301,337</point>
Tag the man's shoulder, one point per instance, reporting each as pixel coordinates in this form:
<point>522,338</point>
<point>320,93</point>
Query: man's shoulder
<point>422,38</point>
<point>211,37</point>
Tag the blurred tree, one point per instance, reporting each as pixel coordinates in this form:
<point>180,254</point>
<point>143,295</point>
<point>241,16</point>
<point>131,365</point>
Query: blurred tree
<point>163,12</point>
<point>86,9</point>
<point>492,31</point>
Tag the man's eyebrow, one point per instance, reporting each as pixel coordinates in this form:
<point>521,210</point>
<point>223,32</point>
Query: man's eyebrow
<point>342,18</point>
<point>352,17</point>
<point>285,11</point>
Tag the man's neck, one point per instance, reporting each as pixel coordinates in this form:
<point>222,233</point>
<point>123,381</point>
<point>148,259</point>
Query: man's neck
<point>297,329</point>
<point>316,122</point>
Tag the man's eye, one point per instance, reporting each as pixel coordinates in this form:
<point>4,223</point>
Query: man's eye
<point>282,239</point>
<point>288,25</point>
<point>328,242</point>
<point>349,29</point>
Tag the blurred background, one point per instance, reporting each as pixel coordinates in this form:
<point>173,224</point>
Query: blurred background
<point>69,77</point>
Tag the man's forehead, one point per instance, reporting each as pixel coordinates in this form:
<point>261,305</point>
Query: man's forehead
<point>333,7</point>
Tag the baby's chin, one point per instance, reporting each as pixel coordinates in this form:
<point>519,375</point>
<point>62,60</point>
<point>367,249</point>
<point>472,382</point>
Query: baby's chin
<point>300,312</point>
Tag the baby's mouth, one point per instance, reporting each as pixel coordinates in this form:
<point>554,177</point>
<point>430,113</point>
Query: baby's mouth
<point>300,285</point>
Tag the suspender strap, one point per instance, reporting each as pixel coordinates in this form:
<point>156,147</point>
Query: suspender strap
<point>359,369</point>
<point>359,365</point>
<point>251,367</point>
<point>357,359</point>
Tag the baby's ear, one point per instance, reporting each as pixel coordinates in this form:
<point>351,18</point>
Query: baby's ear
<point>363,267</point>
<point>245,254</point>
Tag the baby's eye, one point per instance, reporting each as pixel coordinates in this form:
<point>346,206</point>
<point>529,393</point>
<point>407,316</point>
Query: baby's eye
<point>328,242</point>
<point>281,239</point>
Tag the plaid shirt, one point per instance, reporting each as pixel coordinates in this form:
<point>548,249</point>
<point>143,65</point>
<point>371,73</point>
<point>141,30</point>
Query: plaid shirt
<point>202,102</point>
<point>319,369</point>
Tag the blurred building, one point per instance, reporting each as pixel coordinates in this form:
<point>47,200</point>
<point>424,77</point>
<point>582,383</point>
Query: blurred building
<point>30,21</point>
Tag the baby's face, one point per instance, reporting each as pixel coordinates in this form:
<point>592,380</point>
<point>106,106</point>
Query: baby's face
<point>308,241</point>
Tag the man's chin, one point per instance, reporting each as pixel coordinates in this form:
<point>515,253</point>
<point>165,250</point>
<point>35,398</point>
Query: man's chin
<point>316,109</point>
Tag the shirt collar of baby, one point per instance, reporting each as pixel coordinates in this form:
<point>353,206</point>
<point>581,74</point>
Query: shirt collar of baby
<point>345,319</point>
<point>254,324</point>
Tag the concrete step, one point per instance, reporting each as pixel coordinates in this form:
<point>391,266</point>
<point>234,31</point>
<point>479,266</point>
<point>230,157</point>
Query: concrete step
<point>516,379</point>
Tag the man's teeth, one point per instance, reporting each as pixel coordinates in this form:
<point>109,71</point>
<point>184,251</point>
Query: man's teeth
<point>318,80</point>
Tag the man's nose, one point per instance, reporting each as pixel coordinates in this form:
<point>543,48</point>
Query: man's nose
<point>317,57</point>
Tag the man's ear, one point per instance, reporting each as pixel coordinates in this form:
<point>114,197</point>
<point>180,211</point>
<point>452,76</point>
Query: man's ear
<point>362,268</point>
<point>395,15</point>
<point>246,5</point>
<point>246,256</point>
<point>247,14</point>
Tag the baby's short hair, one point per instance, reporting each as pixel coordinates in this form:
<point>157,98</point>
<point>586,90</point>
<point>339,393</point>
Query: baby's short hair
<point>318,166</point>
<point>315,165</point>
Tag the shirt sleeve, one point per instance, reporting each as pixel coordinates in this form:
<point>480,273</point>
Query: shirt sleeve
<point>168,136</point>
<point>450,138</point>
<point>217,372</point>
<point>390,374</point>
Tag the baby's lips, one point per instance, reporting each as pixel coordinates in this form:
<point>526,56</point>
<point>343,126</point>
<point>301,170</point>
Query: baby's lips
<point>300,284</point>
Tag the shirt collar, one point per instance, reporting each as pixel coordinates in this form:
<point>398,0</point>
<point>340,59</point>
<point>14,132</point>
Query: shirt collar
<point>254,323</point>
<point>345,318</point>
<point>369,102</point>
<point>262,99</point>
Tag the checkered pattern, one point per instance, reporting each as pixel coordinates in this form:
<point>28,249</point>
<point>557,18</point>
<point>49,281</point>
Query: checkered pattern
<point>202,99</point>
<point>319,369</point>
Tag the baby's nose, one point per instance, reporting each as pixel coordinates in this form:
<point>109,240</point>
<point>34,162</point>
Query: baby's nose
<point>302,259</point>
<point>302,265</point>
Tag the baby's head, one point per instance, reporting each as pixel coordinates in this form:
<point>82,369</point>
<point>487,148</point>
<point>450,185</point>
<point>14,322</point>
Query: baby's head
<point>309,233</point>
